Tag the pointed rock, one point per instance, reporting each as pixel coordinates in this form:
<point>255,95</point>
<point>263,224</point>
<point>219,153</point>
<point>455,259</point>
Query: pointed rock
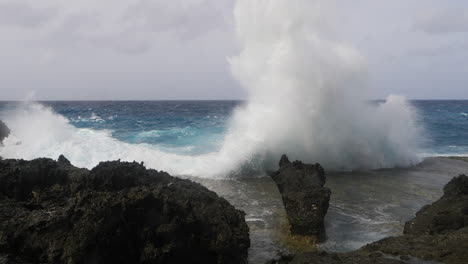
<point>305,198</point>
<point>63,161</point>
<point>284,161</point>
<point>4,131</point>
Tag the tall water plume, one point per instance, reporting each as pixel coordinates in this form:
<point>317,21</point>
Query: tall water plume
<point>306,95</point>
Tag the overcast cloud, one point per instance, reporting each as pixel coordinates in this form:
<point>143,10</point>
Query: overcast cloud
<point>442,21</point>
<point>178,49</point>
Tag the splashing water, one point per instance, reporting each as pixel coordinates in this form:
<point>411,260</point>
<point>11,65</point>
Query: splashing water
<point>40,132</point>
<point>305,99</point>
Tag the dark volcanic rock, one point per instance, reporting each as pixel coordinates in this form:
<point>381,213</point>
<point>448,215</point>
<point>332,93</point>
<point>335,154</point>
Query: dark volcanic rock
<point>4,131</point>
<point>448,248</point>
<point>52,212</point>
<point>305,198</point>
<point>336,258</point>
<point>438,233</point>
<point>447,214</point>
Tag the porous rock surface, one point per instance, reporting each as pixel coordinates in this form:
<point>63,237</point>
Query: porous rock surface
<point>447,214</point>
<point>53,212</point>
<point>305,198</point>
<point>4,131</point>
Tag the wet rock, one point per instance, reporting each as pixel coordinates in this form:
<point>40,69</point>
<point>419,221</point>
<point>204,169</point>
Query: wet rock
<point>438,233</point>
<point>448,248</point>
<point>335,258</point>
<point>53,212</point>
<point>4,131</point>
<point>457,187</point>
<point>447,214</point>
<point>305,198</point>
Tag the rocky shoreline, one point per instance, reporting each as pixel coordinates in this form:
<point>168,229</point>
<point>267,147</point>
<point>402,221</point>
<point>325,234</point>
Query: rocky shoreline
<point>438,233</point>
<point>118,212</point>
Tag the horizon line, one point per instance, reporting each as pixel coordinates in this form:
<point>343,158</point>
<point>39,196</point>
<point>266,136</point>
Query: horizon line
<point>186,100</point>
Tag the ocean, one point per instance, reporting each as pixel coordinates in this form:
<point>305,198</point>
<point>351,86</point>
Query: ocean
<point>184,137</point>
<point>198,127</point>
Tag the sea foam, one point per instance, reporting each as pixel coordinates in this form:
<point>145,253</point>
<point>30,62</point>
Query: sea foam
<point>37,131</point>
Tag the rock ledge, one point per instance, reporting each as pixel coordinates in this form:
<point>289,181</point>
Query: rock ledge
<point>119,212</point>
<point>438,233</point>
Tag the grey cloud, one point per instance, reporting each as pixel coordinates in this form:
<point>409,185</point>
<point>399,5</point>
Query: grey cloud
<point>193,19</point>
<point>177,49</point>
<point>84,31</point>
<point>120,49</point>
<point>135,28</point>
<point>16,13</point>
<point>443,22</point>
<point>446,50</point>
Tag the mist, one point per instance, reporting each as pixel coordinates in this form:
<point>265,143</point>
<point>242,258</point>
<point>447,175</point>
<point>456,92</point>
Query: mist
<point>306,94</point>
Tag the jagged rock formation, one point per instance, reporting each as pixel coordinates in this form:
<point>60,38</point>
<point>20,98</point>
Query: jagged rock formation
<point>53,212</point>
<point>448,214</point>
<point>439,232</point>
<point>336,258</point>
<point>4,131</point>
<point>305,198</point>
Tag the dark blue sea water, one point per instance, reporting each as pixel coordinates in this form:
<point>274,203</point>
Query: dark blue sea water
<point>446,124</point>
<point>197,127</point>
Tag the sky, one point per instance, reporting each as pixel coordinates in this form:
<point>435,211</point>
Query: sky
<point>179,49</point>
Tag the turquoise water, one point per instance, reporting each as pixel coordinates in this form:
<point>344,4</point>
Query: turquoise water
<point>195,127</point>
